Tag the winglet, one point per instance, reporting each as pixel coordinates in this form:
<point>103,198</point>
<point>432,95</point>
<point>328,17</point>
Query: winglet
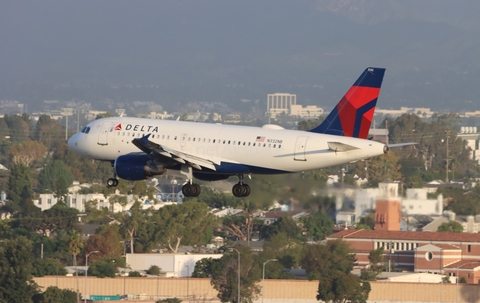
<point>354,113</point>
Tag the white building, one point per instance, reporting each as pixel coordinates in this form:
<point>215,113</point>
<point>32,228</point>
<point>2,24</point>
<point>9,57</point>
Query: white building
<point>417,203</point>
<point>174,265</point>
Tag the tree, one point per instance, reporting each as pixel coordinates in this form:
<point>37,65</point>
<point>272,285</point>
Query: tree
<point>343,287</point>
<point>19,188</point>
<point>322,260</point>
<point>204,268</point>
<point>283,224</point>
<point>56,177</point>
<point>154,270</point>
<point>451,226</point>
<point>225,278</point>
<point>331,264</point>
<point>48,131</point>
<point>102,269</point>
<point>59,217</point>
<point>106,241</point>
<point>318,225</point>
<point>48,267</point>
<point>19,127</point>
<point>27,152</point>
<point>16,284</point>
<point>188,223</point>
<point>54,294</point>
<point>286,250</point>
<point>131,222</point>
<point>376,266</point>
<point>74,246</point>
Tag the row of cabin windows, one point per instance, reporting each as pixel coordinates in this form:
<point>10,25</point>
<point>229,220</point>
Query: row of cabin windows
<point>204,140</point>
<point>396,245</point>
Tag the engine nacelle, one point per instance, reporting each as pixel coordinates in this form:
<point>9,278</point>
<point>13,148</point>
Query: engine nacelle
<point>137,166</point>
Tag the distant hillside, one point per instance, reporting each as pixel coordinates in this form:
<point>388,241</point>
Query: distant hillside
<point>177,52</point>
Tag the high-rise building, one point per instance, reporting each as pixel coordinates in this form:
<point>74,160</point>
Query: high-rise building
<point>280,103</point>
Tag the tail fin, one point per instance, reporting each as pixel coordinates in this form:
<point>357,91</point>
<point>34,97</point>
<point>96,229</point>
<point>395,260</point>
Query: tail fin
<point>354,113</point>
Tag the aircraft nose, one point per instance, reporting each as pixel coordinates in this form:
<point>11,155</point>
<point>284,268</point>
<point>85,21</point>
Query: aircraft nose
<point>73,142</point>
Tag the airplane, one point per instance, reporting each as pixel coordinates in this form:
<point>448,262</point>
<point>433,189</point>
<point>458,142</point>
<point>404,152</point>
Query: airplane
<point>140,148</point>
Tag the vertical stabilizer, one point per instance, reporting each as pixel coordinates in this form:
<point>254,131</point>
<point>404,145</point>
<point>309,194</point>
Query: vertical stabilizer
<point>354,113</point>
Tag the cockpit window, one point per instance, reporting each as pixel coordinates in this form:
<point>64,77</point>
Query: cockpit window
<point>86,130</point>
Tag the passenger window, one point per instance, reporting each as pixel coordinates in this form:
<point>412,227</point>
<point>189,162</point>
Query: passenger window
<point>248,144</point>
<point>253,144</point>
<point>189,138</point>
<point>213,140</point>
<point>279,146</point>
<point>175,138</point>
<point>193,139</point>
<point>168,137</point>
<point>274,145</point>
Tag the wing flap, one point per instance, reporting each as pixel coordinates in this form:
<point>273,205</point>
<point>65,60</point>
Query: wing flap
<point>149,147</point>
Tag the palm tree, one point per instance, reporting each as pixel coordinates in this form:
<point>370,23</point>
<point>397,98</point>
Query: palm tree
<point>74,246</point>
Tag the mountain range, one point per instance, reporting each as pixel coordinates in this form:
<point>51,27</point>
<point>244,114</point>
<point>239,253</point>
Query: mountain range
<point>176,52</point>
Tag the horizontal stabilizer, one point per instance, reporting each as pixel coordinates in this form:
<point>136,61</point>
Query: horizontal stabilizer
<point>340,147</point>
<point>401,144</point>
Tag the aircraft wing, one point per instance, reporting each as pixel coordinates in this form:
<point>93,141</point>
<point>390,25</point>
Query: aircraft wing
<point>150,147</point>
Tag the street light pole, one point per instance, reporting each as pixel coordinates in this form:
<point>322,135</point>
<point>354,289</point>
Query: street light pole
<point>263,274</point>
<point>188,277</point>
<point>86,272</point>
<point>238,294</point>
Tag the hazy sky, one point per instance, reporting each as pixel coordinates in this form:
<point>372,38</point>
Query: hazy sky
<point>307,47</point>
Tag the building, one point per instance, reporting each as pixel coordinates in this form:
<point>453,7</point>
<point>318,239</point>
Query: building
<point>279,103</point>
<point>307,112</point>
<point>433,252</point>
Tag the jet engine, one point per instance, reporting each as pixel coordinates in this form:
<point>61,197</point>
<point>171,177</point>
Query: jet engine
<point>137,166</point>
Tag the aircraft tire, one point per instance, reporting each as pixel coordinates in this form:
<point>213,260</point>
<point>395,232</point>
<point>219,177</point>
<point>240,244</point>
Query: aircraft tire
<point>198,190</point>
<point>188,190</point>
<point>112,182</point>
<point>247,190</point>
<point>237,190</point>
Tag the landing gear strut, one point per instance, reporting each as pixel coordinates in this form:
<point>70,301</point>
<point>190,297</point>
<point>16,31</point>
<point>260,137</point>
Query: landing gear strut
<point>241,189</point>
<point>189,189</point>
<point>113,182</point>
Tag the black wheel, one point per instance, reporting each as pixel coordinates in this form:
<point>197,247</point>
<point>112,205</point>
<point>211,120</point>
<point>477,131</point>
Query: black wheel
<point>198,190</point>
<point>187,190</point>
<point>237,190</point>
<point>247,190</point>
<point>112,182</point>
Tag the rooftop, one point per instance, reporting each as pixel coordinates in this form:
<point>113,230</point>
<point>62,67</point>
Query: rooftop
<point>406,235</point>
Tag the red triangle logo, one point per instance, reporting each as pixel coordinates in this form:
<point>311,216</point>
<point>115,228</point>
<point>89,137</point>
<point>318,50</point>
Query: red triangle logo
<point>118,127</point>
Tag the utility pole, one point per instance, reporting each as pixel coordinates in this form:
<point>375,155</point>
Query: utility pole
<point>446,165</point>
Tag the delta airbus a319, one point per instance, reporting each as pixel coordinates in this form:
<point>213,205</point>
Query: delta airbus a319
<point>141,148</point>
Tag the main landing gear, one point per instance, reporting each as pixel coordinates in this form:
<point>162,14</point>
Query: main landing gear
<point>189,189</point>
<point>241,189</point>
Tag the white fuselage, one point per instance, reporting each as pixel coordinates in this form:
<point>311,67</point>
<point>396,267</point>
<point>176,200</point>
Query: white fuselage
<point>265,150</point>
